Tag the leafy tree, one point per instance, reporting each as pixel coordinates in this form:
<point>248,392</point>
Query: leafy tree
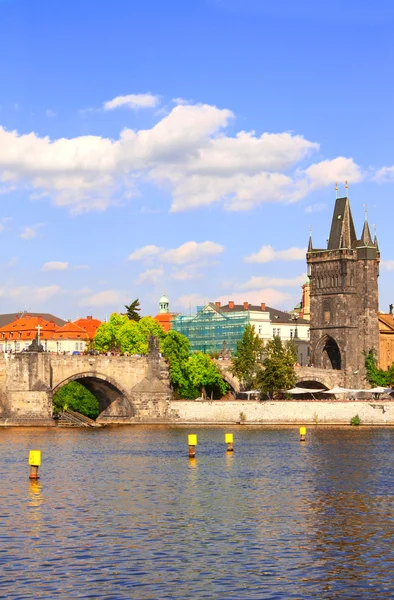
<point>76,397</point>
<point>106,338</point>
<point>204,375</point>
<point>278,363</point>
<point>176,349</point>
<point>246,362</point>
<point>120,334</point>
<point>133,310</point>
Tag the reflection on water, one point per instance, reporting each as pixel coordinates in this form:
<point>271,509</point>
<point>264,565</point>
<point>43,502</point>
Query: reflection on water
<point>124,513</point>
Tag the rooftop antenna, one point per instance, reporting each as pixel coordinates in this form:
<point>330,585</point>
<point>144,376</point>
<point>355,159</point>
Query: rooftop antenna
<point>336,190</point>
<point>347,188</point>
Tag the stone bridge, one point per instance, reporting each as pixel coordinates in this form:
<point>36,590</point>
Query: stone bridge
<point>306,376</point>
<point>128,389</point>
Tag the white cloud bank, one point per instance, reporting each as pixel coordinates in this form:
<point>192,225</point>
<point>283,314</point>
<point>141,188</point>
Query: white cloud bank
<point>187,152</point>
<point>55,265</point>
<point>268,254</point>
<point>132,101</point>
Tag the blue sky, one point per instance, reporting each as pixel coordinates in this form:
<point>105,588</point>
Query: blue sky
<point>186,147</point>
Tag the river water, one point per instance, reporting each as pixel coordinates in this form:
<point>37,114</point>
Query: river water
<point>123,513</point>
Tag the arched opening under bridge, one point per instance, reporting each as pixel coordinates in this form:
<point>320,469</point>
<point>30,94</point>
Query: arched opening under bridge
<point>112,400</point>
<point>312,385</point>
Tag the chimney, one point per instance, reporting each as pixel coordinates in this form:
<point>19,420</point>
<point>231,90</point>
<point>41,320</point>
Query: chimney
<point>263,306</point>
<point>231,303</point>
<point>246,305</point>
<point>217,304</point>
<point>89,317</point>
<point>391,309</point>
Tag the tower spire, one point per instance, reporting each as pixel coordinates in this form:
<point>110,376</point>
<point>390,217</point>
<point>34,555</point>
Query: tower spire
<point>310,244</point>
<point>366,234</point>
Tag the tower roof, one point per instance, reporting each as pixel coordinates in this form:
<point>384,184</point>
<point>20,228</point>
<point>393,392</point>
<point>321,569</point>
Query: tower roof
<point>366,235</point>
<point>343,233</point>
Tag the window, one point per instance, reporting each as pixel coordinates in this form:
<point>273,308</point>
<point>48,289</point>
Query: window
<point>291,334</point>
<point>260,329</point>
<point>76,345</point>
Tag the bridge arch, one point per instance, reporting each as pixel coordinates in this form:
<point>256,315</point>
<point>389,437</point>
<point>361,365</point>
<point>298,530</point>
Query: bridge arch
<point>111,397</point>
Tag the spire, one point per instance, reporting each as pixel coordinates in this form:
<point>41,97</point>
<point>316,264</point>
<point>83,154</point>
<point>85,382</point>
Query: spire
<point>342,233</point>
<point>310,245</point>
<point>366,235</point>
<point>375,239</point>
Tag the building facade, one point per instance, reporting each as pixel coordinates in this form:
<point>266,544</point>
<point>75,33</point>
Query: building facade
<point>344,297</point>
<point>215,327</point>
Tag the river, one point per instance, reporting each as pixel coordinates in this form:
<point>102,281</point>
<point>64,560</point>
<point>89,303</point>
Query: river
<point>122,512</point>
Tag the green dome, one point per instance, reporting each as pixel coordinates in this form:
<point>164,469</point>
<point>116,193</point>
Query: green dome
<point>164,300</point>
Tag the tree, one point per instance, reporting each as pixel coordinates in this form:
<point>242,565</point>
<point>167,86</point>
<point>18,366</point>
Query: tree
<point>278,363</point>
<point>76,397</point>
<point>176,349</point>
<point>106,338</point>
<point>204,375</point>
<point>376,376</point>
<point>120,334</point>
<point>246,362</point>
<point>133,310</point>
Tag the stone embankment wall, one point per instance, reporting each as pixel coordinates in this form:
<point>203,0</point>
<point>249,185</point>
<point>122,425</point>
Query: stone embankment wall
<point>278,412</point>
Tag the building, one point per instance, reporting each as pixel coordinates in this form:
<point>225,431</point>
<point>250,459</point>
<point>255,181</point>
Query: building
<point>90,325</point>
<point>303,309</point>
<point>164,316</point>
<point>69,338</point>
<point>344,297</point>
<point>215,327</point>
<point>386,339</point>
<point>19,334</point>
<point>7,318</point>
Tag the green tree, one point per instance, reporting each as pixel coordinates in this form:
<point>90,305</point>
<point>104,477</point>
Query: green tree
<point>246,362</point>
<point>76,397</point>
<point>120,334</point>
<point>278,363</point>
<point>204,375</point>
<point>133,310</point>
<point>106,338</point>
<point>176,349</point>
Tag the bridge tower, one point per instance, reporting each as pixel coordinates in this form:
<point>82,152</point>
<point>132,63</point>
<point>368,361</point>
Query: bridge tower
<point>344,297</point>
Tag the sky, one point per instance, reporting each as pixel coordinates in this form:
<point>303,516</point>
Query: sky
<point>187,148</point>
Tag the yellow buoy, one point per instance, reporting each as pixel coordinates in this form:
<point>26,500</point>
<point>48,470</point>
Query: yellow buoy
<point>192,441</point>
<point>302,434</point>
<point>34,462</point>
<point>228,438</point>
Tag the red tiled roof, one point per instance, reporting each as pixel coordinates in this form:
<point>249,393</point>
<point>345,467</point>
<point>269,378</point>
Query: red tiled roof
<point>25,328</point>
<point>89,324</point>
<point>71,331</point>
<point>164,319</point>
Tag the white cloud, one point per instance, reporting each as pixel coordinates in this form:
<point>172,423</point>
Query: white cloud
<point>31,294</point>
<point>313,208</point>
<point>55,266</point>
<point>150,276</point>
<point>192,252</point>
<point>133,101</point>
<point>147,252</point>
<point>272,297</point>
<point>387,265</point>
<point>29,232</point>
<point>268,254</point>
<point>186,152</point>
<point>50,113</point>
<point>190,301</point>
<point>260,282</point>
<point>105,298</point>
<point>81,267</point>
<point>385,175</point>
<point>185,274</point>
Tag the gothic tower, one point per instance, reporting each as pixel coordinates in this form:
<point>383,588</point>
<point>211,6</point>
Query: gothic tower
<point>344,297</point>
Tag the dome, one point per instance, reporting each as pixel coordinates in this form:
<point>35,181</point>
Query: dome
<point>164,300</point>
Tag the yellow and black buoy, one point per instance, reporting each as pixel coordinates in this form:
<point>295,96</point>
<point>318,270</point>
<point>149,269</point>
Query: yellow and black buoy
<point>302,434</point>
<point>228,438</point>
<point>192,441</point>
<point>34,462</point>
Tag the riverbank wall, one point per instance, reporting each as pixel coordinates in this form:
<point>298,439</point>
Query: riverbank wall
<point>282,412</point>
